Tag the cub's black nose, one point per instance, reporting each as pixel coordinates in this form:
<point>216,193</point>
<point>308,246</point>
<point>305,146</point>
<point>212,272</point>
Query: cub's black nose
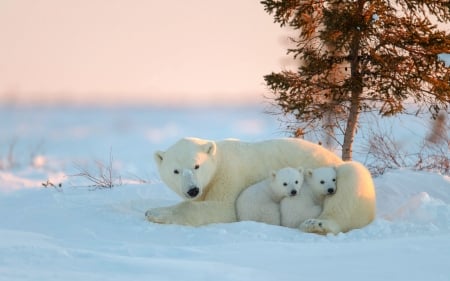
<point>193,192</point>
<point>293,192</point>
<point>330,190</point>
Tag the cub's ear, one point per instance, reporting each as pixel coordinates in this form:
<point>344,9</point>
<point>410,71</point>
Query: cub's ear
<point>273,175</point>
<point>301,170</point>
<point>210,148</point>
<point>308,172</point>
<point>158,156</point>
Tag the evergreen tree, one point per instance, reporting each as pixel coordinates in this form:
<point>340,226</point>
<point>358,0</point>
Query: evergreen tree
<point>361,55</point>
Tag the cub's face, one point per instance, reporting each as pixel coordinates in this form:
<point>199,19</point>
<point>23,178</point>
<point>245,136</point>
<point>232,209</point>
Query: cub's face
<point>287,181</point>
<point>187,167</point>
<point>323,180</point>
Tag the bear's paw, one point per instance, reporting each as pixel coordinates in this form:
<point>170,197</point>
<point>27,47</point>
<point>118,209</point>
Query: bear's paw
<point>159,215</point>
<point>315,226</point>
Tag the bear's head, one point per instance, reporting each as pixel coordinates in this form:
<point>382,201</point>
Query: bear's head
<point>323,180</point>
<point>188,166</point>
<point>287,181</point>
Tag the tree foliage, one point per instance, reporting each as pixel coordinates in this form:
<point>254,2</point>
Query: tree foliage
<point>361,55</point>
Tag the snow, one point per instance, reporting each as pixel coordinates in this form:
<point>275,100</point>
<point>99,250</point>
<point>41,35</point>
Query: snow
<point>79,232</point>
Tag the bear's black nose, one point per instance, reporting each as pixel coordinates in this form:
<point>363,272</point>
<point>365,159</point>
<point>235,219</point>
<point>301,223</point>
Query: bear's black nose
<point>330,190</point>
<point>193,192</point>
<point>293,192</point>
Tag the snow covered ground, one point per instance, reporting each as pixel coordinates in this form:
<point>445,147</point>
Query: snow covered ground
<point>77,232</point>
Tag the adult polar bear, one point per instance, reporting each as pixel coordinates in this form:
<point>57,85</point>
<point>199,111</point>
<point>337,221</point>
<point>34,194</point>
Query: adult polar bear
<point>210,175</point>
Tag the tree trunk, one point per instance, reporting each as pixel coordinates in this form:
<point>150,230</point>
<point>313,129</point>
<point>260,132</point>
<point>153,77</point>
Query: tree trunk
<point>350,128</point>
<point>356,91</point>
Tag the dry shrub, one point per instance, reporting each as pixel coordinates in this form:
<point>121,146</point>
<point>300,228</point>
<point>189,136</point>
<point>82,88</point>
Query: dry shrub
<point>105,177</point>
<point>384,152</point>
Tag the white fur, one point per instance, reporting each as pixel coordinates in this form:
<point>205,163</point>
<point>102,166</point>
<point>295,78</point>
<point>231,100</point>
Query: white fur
<point>225,169</point>
<point>351,207</point>
<point>308,204</point>
<point>219,171</point>
<point>261,202</point>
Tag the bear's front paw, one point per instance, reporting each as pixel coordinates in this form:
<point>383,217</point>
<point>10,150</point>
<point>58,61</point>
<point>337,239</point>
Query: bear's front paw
<point>159,215</point>
<point>313,226</point>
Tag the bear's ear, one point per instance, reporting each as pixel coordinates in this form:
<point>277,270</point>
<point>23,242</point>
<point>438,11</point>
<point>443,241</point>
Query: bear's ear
<point>301,170</point>
<point>210,148</point>
<point>273,175</point>
<point>158,157</point>
<point>308,172</point>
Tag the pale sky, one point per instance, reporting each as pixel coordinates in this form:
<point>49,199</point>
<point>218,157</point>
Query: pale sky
<point>106,51</point>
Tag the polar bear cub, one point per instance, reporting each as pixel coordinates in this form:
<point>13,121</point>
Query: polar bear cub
<point>261,201</point>
<point>318,183</point>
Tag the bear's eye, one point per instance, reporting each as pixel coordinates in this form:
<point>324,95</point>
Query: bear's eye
<point>285,183</point>
<point>322,182</point>
<point>196,166</point>
<point>334,180</point>
<point>176,171</point>
<point>296,182</point>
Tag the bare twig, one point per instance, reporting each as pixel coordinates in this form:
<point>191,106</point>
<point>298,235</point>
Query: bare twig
<point>11,162</point>
<point>384,152</point>
<point>105,177</point>
<point>434,158</point>
<point>48,183</point>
